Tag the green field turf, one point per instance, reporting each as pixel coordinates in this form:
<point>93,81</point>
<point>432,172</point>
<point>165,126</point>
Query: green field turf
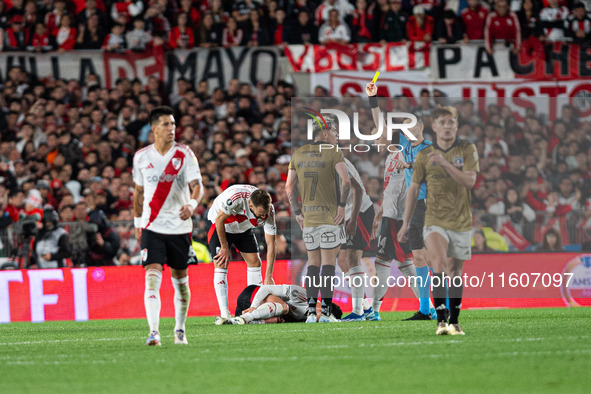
<point>533,350</point>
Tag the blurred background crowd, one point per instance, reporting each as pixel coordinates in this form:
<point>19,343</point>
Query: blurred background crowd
<point>138,25</point>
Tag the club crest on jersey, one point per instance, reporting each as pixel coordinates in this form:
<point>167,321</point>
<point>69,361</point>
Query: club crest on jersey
<point>176,163</point>
<point>458,161</point>
<point>229,202</point>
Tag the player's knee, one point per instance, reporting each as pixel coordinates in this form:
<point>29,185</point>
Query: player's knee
<point>153,279</point>
<point>254,261</point>
<point>285,307</point>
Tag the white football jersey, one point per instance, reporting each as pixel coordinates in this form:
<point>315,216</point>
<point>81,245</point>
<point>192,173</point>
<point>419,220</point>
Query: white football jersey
<point>394,188</point>
<point>165,180</point>
<point>293,295</point>
<point>234,202</point>
<point>365,200</point>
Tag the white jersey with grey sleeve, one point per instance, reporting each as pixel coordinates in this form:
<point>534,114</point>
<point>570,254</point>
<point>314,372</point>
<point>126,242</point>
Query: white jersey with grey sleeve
<point>293,295</point>
<point>394,188</point>
<point>365,200</point>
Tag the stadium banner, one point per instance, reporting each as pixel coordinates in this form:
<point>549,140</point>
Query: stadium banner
<point>504,281</point>
<point>547,96</point>
<point>557,60</point>
<point>217,66</point>
<point>359,57</point>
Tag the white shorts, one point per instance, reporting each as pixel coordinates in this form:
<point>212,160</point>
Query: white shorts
<point>459,243</point>
<point>324,237</point>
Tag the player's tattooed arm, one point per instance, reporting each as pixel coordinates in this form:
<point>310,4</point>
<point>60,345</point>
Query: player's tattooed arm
<point>197,191</point>
<point>293,194</point>
<point>138,207</point>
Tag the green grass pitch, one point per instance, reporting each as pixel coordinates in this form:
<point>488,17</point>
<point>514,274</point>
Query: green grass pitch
<point>519,350</point>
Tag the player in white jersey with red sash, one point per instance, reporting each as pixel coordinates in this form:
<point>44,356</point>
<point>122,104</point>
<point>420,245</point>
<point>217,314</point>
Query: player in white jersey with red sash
<point>234,214</point>
<point>167,188</point>
<point>359,215</point>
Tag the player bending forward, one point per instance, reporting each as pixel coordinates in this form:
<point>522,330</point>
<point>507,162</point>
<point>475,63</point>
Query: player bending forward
<point>449,167</point>
<point>283,302</point>
<point>164,173</point>
<point>234,214</point>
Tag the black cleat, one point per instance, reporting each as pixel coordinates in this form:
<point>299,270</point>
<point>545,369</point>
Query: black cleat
<point>418,316</point>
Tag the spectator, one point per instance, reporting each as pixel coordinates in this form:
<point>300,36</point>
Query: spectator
<point>552,19</point>
<point>193,13</point>
<point>529,19</point>
<point>419,26</point>
<point>208,36</point>
<point>220,16</point>
<point>232,35</point>
<point>124,11</point>
<point>479,243</point>
<point>322,13</point>
<point>53,18</point>
<point>40,40</point>
<point>114,41</point>
<point>303,31</point>
<point>83,16</point>
<point>16,37</point>
<point>181,36</point>
<point>359,23</point>
<point>257,33</point>
<point>51,246</point>
<point>138,38</point>
<point>578,25</point>
<point>502,24</point>
<point>474,17</point>
<point>393,28</point>
<point>552,241</point>
<point>449,31</point>
<point>242,10</point>
<point>278,28</point>
<point>334,31</point>
<point>512,210</point>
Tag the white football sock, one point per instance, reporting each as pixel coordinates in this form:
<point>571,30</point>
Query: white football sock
<point>409,270</point>
<point>356,276</point>
<point>382,272</point>
<point>220,283</point>
<point>182,298</point>
<point>152,298</point>
<point>365,303</point>
<point>253,276</point>
<point>264,311</point>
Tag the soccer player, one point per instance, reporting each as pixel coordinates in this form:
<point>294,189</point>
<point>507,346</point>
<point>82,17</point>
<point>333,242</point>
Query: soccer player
<point>260,304</point>
<point>449,167</point>
<point>359,215</point>
<point>234,214</point>
<point>167,188</point>
<point>321,211</point>
<point>389,217</point>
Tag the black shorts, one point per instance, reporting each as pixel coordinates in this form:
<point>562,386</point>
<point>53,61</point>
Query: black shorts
<point>388,245</point>
<point>415,230</point>
<point>362,237</point>
<point>245,242</point>
<point>245,298</point>
<point>174,250</point>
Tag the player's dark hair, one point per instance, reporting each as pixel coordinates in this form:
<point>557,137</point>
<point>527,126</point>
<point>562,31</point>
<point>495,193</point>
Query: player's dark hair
<point>444,111</point>
<point>158,112</point>
<point>261,198</point>
<point>243,301</point>
<point>319,128</point>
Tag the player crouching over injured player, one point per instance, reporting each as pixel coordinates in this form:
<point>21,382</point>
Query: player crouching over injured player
<point>274,304</point>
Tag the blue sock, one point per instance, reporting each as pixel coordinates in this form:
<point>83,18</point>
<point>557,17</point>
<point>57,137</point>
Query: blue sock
<point>425,289</point>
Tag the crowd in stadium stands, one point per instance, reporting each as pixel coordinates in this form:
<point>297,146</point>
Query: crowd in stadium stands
<point>70,146</point>
<point>137,25</point>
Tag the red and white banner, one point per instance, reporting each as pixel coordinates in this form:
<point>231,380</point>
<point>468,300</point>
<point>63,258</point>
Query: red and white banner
<point>359,57</point>
<point>547,96</point>
<point>508,281</point>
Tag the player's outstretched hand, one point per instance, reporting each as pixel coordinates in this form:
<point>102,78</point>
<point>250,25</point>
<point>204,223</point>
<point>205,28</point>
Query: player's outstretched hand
<point>269,281</point>
<point>371,89</point>
<point>437,158</point>
<point>138,234</point>
<point>338,219</point>
<point>399,164</point>
<point>402,233</point>
<point>374,227</point>
<point>351,228</point>
<point>186,212</point>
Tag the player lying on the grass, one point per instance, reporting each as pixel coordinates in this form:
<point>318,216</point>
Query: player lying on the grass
<point>449,167</point>
<point>234,214</point>
<point>314,175</point>
<point>167,188</point>
<point>415,237</point>
<point>358,229</point>
<point>274,304</point>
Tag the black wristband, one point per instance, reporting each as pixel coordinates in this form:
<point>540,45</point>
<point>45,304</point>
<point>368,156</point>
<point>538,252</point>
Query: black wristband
<point>373,101</point>
<point>297,212</point>
<point>410,165</point>
<point>343,204</point>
